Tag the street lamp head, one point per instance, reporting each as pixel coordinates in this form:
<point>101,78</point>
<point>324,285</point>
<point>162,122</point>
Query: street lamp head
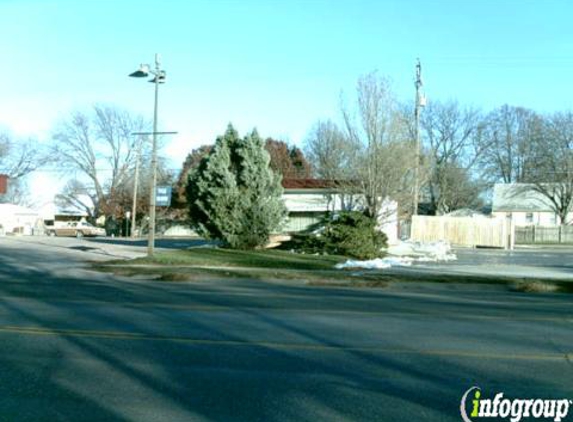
<point>142,72</point>
<point>160,78</point>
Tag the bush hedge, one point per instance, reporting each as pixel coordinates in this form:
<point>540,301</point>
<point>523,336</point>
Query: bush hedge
<point>350,233</point>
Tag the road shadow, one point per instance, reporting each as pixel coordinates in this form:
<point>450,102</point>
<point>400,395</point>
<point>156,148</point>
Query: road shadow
<point>169,243</point>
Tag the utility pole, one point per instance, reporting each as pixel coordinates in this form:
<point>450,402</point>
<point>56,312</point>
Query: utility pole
<point>135,186</point>
<point>420,102</point>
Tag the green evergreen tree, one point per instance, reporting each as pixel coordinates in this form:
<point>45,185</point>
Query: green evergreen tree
<point>234,196</point>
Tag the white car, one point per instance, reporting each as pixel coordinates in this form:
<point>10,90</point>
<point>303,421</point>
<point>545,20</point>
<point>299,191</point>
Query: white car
<point>77,229</point>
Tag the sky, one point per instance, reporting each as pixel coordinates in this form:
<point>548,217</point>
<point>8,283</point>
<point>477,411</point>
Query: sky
<point>278,66</point>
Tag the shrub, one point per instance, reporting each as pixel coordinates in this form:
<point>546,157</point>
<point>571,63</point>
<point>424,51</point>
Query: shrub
<point>354,234</point>
<point>351,234</point>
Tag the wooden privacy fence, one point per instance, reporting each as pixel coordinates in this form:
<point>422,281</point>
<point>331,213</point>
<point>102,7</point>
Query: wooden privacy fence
<point>543,234</point>
<point>463,231</point>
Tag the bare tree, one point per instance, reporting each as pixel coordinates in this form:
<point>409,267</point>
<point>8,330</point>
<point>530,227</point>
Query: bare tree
<point>452,135</point>
<point>17,193</point>
<point>552,175</point>
<point>453,187</point>
<point>334,158</point>
<point>331,153</point>
<point>376,125</point>
<point>521,146</point>
<point>76,196</point>
<point>19,158</point>
<point>99,150</point>
<point>508,140</point>
<point>372,155</point>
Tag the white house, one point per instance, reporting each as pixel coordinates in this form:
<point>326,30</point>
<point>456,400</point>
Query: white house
<point>15,219</point>
<point>307,201</point>
<point>525,206</point>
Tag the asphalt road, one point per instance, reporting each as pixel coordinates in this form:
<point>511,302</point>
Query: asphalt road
<point>82,346</point>
<point>543,262</point>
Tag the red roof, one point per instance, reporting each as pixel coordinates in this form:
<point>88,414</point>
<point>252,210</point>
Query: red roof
<point>308,183</point>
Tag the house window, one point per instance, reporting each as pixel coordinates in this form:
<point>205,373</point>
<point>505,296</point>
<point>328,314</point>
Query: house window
<point>529,218</point>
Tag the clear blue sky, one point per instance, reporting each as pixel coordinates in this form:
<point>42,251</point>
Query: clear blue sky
<point>276,65</point>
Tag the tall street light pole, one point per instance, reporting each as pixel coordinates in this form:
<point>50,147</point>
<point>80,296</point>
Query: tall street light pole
<point>159,77</point>
<point>151,239</point>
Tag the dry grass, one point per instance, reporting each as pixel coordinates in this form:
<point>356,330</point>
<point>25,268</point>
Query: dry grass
<point>535,286</point>
<point>348,283</point>
<point>203,265</point>
<point>175,277</point>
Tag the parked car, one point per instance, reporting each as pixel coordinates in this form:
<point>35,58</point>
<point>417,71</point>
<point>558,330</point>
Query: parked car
<point>77,229</point>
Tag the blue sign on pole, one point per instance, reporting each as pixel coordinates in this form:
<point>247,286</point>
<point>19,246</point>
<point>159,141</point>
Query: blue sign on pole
<point>163,196</point>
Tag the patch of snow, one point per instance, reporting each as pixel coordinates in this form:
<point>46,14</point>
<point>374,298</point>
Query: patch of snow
<point>424,252</point>
<point>404,254</point>
<point>376,264</point>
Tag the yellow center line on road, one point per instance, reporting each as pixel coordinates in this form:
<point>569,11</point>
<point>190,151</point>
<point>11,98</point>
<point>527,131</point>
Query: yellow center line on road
<point>131,336</point>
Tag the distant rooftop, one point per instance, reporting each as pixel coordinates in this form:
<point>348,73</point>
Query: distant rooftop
<point>518,197</point>
<point>309,183</point>
<point>466,212</point>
